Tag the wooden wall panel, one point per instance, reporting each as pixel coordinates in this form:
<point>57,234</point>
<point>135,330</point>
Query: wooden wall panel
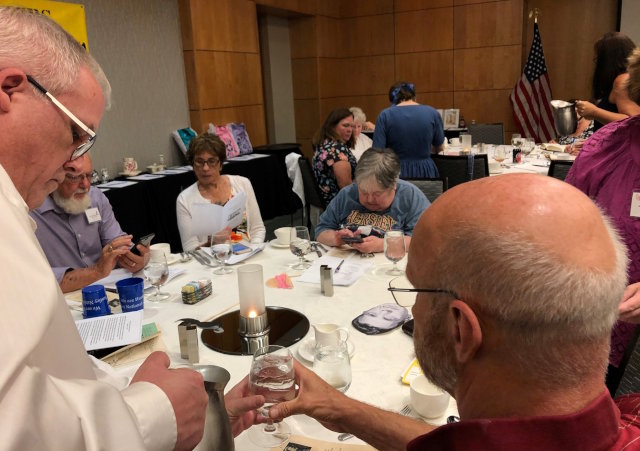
<point>486,67</point>
<point>304,72</point>
<point>193,96</point>
<point>412,5</point>
<point>371,105</point>
<point>368,35</point>
<point>488,24</point>
<point>298,6</point>
<point>354,8</point>
<point>306,147</point>
<point>330,37</point>
<point>227,79</point>
<point>186,24</point>
<point>308,118</point>
<point>570,58</point>
<point>436,99</point>
<point>229,25</point>
<point>429,71</point>
<point>329,8</point>
<point>252,116</point>
<point>485,106</point>
<point>420,31</point>
<point>302,37</point>
<point>338,77</point>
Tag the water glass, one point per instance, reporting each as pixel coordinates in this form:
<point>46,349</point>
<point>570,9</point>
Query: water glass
<point>394,250</point>
<point>157,273</point>
<point>300,245</point>
<point>333,365</point>
<point>222,249</point>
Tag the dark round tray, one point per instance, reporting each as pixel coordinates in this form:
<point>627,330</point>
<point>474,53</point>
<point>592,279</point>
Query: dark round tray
<point>287,327</point>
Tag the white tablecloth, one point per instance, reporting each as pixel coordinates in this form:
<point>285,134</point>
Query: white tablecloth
<point>378,361</point>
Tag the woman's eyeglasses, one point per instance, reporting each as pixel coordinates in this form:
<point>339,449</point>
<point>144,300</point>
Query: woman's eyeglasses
<point>211,162</point>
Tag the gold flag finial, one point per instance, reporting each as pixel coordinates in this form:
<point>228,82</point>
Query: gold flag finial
<point>534,13</point>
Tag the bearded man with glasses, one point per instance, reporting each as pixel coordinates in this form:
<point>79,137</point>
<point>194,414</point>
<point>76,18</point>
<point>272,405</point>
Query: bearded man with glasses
<point>513,308</point>
<point>53,395</point>
<point>79,233</point>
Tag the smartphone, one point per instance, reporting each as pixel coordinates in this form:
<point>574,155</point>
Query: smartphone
<point>240,248</point>
<point>407,328</point>
<point>351,239</point>
<point>145,240</point>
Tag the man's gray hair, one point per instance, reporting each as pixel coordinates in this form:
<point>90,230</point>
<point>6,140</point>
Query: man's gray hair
<point>32,42</point>
<point>381,165</point>
<point>551,313</point>
<point>358,114</point>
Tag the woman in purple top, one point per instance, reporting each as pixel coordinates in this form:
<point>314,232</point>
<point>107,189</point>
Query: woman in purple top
<point>410,129</point>
<point>608,170</point>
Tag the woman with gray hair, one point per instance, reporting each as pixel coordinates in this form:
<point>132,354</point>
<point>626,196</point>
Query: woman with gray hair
<point>377,202</point>
<point>362,142</point>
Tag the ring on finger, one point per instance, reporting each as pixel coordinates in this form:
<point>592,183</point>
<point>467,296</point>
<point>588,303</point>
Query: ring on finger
<point>110,248</point>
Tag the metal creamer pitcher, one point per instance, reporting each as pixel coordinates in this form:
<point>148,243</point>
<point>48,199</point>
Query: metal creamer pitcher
<point>217,429</point>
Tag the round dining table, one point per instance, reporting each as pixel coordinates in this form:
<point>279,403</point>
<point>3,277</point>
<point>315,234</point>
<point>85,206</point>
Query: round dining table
<point>377,363</point>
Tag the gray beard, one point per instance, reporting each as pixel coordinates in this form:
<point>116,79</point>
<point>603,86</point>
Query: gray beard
<point>71,205</point>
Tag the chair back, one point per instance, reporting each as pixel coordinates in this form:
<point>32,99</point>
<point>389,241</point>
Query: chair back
<point>432,188</point>
<point>457,169</point>
<point>487,133</point>
<point>559,169</point>
<point>312,194</point>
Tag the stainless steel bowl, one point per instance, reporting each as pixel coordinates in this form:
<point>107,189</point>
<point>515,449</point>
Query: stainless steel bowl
<point>566,119</point>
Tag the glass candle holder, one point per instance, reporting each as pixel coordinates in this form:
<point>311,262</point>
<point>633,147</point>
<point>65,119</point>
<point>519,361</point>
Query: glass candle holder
<point>251,291</point>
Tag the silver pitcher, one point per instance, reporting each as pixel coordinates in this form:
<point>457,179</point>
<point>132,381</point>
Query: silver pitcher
<point>217,429</point>
<point>565,117</point>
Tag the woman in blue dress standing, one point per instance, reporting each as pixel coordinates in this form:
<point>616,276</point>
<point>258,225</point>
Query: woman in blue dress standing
<point>412,130</point>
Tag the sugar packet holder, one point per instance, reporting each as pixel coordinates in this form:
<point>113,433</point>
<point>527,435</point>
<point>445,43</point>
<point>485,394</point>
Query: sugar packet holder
<point>195,291</point>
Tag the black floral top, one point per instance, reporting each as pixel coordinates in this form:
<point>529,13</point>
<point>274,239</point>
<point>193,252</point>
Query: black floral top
<point>324,157</point>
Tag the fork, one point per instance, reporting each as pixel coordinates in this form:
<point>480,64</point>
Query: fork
<point>201,260</point>
<point>406,411</point>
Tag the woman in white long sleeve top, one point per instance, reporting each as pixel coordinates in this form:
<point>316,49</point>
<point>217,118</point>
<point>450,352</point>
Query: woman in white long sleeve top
<point>207,153</point>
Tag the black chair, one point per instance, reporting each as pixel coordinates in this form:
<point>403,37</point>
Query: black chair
<point>559,169</point>
<point>432,188</point>
<point>457,170</point>
<point>626,378</point>
<point>487,133</point>
<point>312,194</point>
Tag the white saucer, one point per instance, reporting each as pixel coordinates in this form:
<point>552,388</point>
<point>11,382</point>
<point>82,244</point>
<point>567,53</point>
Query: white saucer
<point>306,348</point>
<point>130,174</point>
<point>277,245</point>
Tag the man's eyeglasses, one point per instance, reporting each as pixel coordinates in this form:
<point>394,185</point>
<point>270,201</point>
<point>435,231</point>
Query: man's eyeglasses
<point>90,136</point>
<point>78,178</point>
<point>211,162</point>
<point>403,291</point>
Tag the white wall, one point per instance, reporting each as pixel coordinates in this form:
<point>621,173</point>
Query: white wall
<point>275,56</point>
<point>630,19</point>
<point>139,46</point>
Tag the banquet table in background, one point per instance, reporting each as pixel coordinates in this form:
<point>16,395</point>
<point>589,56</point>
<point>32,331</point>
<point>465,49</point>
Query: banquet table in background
<point>150,205</point>
<point>377,363</point>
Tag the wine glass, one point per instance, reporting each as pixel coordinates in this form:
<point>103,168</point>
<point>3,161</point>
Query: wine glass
<point>300,246</point>
<point>222,249</point>
<point>157,273</point>
<point>500,154</point>
<point>271,376</point>
<point>394,250</point>
<point>526,148</point>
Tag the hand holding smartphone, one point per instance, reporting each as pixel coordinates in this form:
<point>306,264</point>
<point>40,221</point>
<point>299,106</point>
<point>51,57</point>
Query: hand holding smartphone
<point>352,239</point>
<point>145,241</point>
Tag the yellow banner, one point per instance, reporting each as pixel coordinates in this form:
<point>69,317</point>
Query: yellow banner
<point>69,16</point>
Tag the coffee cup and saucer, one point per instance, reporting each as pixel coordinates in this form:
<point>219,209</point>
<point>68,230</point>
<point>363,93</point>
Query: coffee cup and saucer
<point>283,237</point>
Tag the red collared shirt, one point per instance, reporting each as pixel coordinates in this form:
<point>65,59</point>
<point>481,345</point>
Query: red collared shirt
<point>602,425</point>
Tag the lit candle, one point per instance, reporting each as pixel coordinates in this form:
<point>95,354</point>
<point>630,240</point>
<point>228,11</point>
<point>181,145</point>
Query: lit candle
<point>251,291</point>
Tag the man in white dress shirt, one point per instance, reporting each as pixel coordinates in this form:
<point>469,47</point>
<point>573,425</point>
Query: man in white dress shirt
<point>53,396</point>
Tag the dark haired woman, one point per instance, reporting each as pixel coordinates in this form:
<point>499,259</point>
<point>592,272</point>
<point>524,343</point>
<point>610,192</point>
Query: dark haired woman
<point>410,129</point>
<point>333,163</point>
<point>610,82</point>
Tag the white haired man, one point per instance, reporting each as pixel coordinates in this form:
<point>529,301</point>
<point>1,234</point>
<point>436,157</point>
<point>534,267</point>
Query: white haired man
<point>52,95</point>
<point>513,309</point>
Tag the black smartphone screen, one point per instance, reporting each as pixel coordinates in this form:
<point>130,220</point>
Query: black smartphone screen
<point>145,240</point>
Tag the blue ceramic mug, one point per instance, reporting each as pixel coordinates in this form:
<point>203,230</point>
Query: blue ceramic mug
<point>131,293</point>
<point>94,301</point>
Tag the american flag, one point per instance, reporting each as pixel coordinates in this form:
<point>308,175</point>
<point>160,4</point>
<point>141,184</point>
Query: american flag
<point>531,96</point>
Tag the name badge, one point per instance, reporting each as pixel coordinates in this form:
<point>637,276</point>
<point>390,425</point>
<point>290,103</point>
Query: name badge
<point>93,215</point>
<point>635,204</point>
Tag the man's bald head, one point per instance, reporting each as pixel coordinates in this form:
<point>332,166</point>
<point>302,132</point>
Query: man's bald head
<point>533,254</point>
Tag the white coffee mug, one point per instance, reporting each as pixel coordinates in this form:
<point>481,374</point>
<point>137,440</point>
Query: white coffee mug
<point>161,247</point>
<point>330,334</point>
<point>283,235</point>
<point>428,400</point>
<point>454,141</point>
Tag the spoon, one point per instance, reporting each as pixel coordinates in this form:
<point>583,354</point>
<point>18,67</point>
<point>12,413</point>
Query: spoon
<point>345,436</point>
